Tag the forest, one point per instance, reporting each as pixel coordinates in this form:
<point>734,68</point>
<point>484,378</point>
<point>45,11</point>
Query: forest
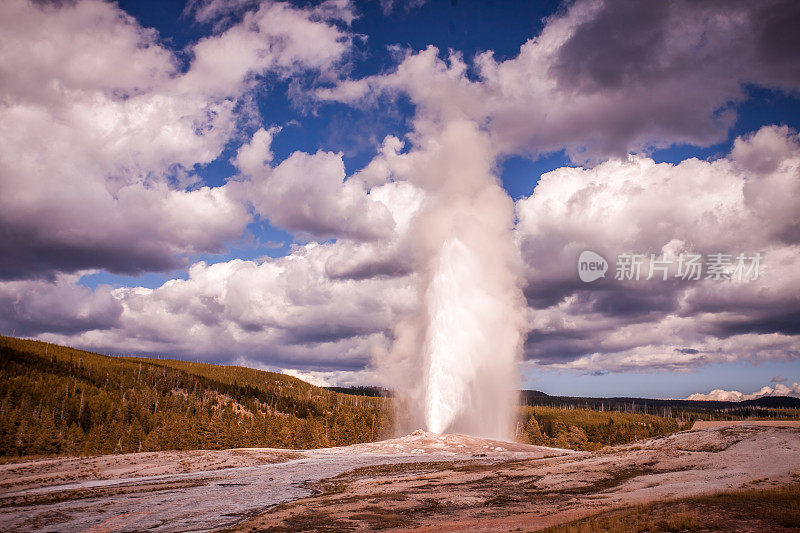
<point>586,429</point>
<point>62,401</point>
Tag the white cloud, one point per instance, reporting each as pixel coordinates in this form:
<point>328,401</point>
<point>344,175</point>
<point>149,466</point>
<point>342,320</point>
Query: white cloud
<point>308,193</point>
<point>309,377</point>
<point>274,38</point>
<point>331,306</point>
<point>333,378</point>
<point>324,307</point>
<point>219,12</point>
<point>721,395</point>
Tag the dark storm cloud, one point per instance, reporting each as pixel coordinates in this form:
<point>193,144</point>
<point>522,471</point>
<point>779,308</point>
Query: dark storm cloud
<point>27,253</point>
<point>630,43</point>
<point>540,294</point>
<point>615,48</point>
<point>306,334</point>
<point>391,267</point>
<point>560,346</point>
<point>778,40</point>
<point>783,321</point>
<point>643,301</point>
<point>31,308</point>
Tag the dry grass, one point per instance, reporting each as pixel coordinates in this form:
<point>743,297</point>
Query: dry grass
<point>772,509</point>
<point>778,505</point>
<point>639,519</point>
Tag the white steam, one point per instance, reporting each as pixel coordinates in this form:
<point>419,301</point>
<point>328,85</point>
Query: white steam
<point>453,361</point>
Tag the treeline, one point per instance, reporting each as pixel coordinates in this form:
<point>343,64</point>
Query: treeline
<point>363,390</point>
<point>586,429</point>
<point>764,407</point>
<point>58,400</point>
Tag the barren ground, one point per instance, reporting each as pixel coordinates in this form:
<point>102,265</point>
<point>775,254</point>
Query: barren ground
<point>441,483</point>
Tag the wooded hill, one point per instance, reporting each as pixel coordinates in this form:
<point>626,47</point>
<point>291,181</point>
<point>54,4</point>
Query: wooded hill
<point>59,400</point>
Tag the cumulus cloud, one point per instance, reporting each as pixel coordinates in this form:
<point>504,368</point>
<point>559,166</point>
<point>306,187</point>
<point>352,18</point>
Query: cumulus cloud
<point>285,312</point>
<point>308,193</point>
<point>276,38</point>
<point>119,124</point>
<point>721,395</point>
<point>315,378</point>
<point>370,212</point>
<point>634,205</point>
<point>331,378</point>
<point>326,307</point>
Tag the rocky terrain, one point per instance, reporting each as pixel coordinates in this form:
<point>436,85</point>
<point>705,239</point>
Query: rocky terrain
<point>432,482</point>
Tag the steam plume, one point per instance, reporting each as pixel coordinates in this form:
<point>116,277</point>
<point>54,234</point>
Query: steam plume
<point>454,359</point>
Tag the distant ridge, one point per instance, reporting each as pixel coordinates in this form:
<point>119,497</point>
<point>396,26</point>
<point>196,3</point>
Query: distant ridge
<point>529,396</point>
<point>774,402</point>
<point>657,405</point>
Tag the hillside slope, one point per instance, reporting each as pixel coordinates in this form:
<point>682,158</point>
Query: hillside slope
<point>58,400</point>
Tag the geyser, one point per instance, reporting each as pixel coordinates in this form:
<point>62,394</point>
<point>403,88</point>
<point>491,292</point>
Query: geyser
<point>451,335</point>
<point>454,360</point>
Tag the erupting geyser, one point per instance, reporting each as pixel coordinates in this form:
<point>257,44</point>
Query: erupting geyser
<point>454,360</point>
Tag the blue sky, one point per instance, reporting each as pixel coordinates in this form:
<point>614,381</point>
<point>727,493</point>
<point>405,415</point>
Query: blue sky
<point>190,210</point>
<point>732,376</point>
